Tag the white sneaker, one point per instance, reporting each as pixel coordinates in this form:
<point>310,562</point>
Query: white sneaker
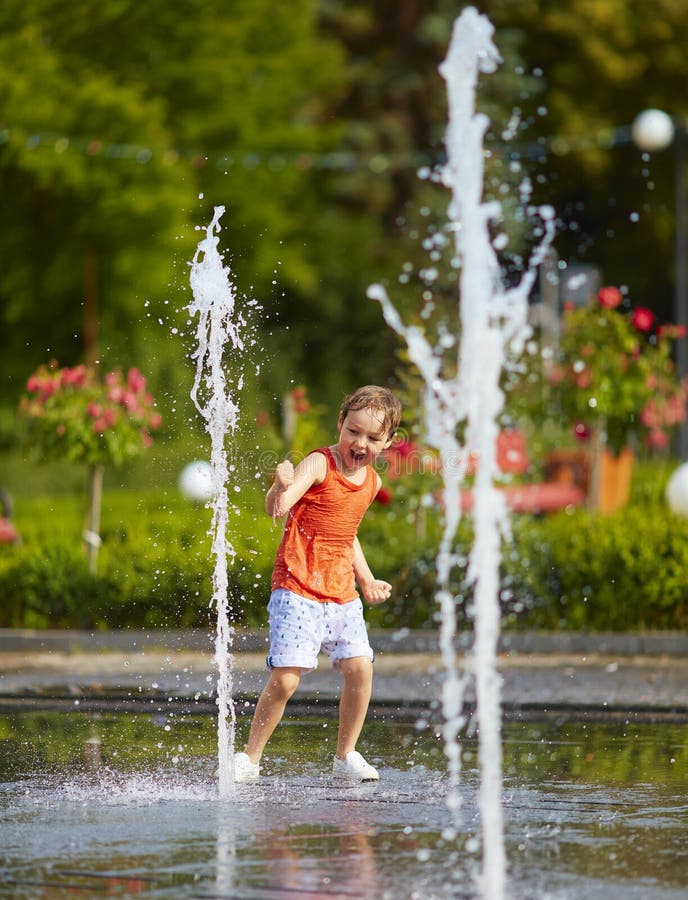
<point>244,769</point>
<point>354,768</point>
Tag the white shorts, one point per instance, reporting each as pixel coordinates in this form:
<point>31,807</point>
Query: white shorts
<point>301,628</point>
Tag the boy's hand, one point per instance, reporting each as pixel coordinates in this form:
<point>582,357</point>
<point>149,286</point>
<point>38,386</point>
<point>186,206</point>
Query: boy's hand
<point>284,475</point>
<point>376,592</point>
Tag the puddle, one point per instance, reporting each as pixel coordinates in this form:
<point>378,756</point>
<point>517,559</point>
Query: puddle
<point>128,805</point>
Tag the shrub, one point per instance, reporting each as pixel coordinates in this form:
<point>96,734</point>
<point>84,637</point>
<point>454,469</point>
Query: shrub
<point>621,572</point>
<point>570,571</point>
<point>156,566</point>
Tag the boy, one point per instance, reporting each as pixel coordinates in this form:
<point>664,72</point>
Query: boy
<point>314,605</point>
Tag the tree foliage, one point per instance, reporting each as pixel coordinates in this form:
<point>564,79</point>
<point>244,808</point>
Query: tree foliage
<point>601,63</point>
<point>124,123</point>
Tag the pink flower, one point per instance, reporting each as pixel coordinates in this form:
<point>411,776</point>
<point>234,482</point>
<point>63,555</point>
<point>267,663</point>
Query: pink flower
<point>675,410</point>
<point>109,416</point>
<point>643,318</point>
<point>131,402</point>
<point>73,377</point>
<point>45,387</point>
<point>383,496</point>
<point>556,375</point>
<point>71,403</point>
<point>609,297</point>
<point>115,394</point>
<point>581,431</point>
<point>650,416</point>
<point>33,385</point>
<point>136,382</point>
<point>657,439</point>
<point>584,379</point>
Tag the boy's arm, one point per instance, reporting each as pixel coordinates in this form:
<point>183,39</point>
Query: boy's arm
<point>291,483</point>
<point>374,590</point>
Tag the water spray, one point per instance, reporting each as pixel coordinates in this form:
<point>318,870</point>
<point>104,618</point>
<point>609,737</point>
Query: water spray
<point>493,321</point>
<point>219,331</point>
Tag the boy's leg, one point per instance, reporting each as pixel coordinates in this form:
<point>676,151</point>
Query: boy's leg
<point>353,706</point>
<point>281,685</point>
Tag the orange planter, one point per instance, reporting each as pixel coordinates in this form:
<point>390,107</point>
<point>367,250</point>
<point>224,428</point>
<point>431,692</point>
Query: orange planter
<point>614,484</point>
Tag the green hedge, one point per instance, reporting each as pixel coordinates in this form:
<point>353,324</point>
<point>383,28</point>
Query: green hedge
<point>569,571</point>
<point>579,571</point>
<point>154,569</point>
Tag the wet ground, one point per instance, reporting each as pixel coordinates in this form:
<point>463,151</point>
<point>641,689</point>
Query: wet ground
<point>126,804</point>
<point>600,675</point>
<point>108,774</point>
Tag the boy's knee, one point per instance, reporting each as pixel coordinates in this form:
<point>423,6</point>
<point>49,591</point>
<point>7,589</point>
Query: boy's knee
<point>283,682</point>
<point>356,669</point>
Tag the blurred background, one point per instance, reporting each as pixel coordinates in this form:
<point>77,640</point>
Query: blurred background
<point>318,124</point>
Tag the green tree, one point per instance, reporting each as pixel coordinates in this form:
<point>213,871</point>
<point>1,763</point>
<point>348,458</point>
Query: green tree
<point>601,63</point>
<point>88,205</point>
<point>122,125</point>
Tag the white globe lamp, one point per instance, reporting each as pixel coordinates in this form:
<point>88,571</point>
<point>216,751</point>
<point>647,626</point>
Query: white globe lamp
<point>196,481</point>
<point>652,129</point>
<point>677,491</point>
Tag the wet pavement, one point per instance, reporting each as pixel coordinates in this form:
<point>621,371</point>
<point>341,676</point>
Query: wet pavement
<point>602,675</point>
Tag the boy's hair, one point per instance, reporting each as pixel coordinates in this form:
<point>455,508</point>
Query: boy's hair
<point>380,399</point>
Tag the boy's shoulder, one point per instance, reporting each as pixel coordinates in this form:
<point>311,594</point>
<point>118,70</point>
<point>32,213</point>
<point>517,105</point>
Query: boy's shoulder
<point>317,462</point>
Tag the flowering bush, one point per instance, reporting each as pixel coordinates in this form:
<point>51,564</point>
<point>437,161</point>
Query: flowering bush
<point>614,371</point>
<point>77,416</point>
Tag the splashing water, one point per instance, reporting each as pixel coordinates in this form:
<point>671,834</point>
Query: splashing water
<point>493,321</point>
<point>219,328</point>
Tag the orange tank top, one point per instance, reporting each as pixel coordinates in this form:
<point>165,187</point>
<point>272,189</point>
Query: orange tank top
<point>316,555</point>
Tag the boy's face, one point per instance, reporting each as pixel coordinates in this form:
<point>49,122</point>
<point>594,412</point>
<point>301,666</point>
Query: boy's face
<point>362,437</point>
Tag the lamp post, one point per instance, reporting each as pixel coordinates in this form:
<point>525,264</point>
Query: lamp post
<point>654,130</point>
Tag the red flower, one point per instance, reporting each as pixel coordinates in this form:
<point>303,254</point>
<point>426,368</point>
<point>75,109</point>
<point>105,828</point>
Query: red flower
<point>671,331</point>
<point>383,496</point>
<point>643,318</point>
<point>609,297</point>
<point>404,448</point>
<point>581,431</point>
